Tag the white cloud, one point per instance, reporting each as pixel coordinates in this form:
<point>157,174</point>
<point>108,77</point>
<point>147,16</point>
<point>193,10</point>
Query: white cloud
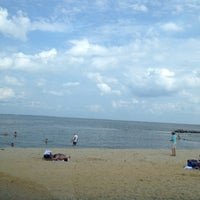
<point>152,82</point>
<point>193,98</point>
<point>162,77</point>
<point>18,26</point>
<point>139,7</point>
<point>191,79</point>
<point>170,26</point>
<point>194,5</point>
<point>84,48</point>
<point>26,62</point>
<point>159,108</point>
<point>102,4</point>
<point>95,77</point>
<point>43,25</point>
<point>41,82</point>
<point>71,84</point>
<point>5,63</point>
<point>104,88</point>
<point>54,92</point>
<point>46,56</point>
<point>10,80</point>
<point>125,103</point>
<point>104,62</point>
<point>95,108</point>
<point>22,61</point>
<point>6,93</point>
<point>36,104</point>
<point>103,83</point>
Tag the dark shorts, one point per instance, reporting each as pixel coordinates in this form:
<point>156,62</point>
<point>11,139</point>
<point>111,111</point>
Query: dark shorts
<point>47,156</point>
<point>74,143</point>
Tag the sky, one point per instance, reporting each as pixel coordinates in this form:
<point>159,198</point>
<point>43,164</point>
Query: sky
<point>134,60</point>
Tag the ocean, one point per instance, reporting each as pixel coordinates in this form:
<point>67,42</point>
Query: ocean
<point>93,133</point>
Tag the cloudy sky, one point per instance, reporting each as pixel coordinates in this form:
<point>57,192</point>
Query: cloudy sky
<point>113,59</point>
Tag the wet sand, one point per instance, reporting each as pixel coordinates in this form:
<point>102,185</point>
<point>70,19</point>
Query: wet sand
<point>98,174</point>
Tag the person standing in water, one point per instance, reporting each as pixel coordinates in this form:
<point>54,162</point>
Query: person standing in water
<point>173,139</point>
<point>46,141</point>
<point>15,134</point>
<point>75,139</point>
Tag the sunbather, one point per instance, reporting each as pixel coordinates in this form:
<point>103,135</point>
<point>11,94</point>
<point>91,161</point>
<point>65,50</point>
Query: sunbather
<point>48,155</point>
<point>60,156</point>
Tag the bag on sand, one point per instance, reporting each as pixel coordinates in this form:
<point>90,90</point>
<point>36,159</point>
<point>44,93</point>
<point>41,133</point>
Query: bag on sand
<point>193,163</point>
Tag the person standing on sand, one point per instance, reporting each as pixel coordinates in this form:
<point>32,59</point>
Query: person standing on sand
<point>75,139</point>
<point>173,139</point>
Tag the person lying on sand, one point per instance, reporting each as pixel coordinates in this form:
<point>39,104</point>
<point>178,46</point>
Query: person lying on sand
<point>48,155</point>
<point>60,156</point>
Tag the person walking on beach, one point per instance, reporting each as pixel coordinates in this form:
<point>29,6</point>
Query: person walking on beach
<point>173,139</point>
<point>75,139</point>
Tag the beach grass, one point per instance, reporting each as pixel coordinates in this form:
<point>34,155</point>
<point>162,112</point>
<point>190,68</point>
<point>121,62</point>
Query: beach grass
<point>98,174</point>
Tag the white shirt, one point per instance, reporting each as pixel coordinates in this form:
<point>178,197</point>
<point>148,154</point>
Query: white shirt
<point>75,138</point>
<point>47,152</point>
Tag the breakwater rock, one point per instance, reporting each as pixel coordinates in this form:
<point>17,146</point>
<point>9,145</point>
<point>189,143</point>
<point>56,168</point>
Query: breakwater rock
<point>186,131</point>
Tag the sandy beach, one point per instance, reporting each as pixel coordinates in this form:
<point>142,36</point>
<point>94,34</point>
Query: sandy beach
<point>98,174</point>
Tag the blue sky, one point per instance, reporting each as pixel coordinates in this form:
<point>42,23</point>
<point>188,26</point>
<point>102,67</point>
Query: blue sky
<point>113,59</point>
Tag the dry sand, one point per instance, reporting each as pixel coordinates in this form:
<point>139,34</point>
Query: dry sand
<point>98,174</point>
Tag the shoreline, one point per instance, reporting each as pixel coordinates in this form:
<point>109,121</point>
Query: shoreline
<point>98,174</point>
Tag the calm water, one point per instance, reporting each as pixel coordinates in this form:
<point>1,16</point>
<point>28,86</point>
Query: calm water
<point>93,133</point>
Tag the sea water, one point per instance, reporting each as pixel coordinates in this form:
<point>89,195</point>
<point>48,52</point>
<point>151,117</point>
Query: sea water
<point>32,132</point>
